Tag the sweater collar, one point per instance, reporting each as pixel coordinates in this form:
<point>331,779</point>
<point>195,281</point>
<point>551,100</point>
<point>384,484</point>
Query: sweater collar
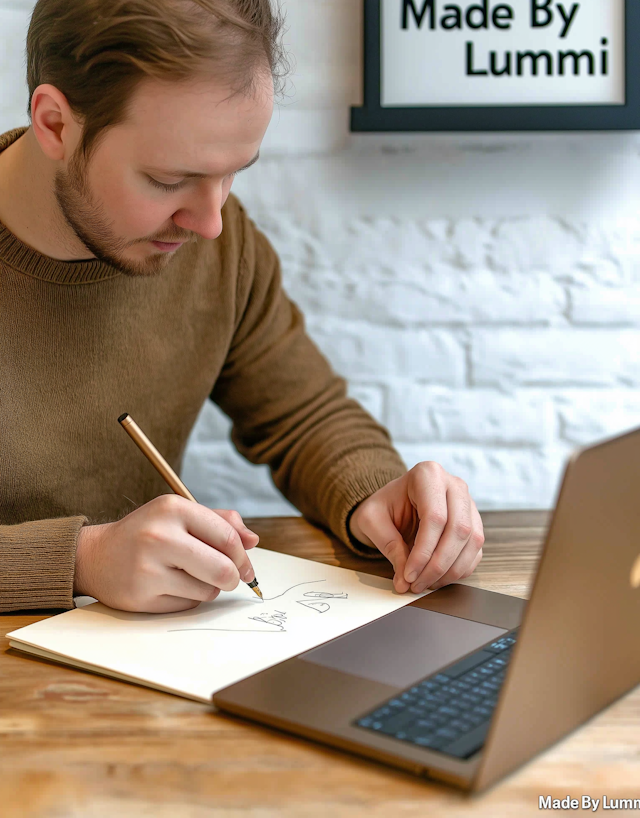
<point>20,256</point>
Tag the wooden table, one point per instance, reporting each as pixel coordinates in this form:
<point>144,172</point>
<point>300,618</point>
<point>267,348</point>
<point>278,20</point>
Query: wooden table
<point>77,745</point>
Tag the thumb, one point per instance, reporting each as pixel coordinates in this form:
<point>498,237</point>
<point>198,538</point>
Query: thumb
<point>380,529</point>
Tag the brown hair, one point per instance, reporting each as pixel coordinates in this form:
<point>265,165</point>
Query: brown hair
<point>96,51</point>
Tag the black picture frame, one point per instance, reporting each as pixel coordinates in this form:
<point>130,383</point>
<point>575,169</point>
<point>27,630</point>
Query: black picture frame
<point>372,117</point>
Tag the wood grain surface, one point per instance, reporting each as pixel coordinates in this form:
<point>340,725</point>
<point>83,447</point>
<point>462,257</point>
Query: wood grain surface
<point>77,745</point>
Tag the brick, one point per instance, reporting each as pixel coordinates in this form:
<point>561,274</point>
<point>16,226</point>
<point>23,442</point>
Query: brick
<point>420,413</point>
<point>472,242</point>
<point>497,478</point>
<point>555,357</point>
<point>14,96</point>
<point>211,424</point>
<point>428,298</point>
<point>220,478</point>
<point>605,305</point>
<point>586,416</point>
<point>386,245</point>
<point>369,396</point>
<point>359,350</point>
<point>536,243</point>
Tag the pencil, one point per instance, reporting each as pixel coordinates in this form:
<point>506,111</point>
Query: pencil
<point>156,459</point>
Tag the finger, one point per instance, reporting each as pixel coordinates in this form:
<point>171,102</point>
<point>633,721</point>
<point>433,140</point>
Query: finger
<point>428,485</point>
<point>203,562</point>
<point>249,538</point>
<point>378,526</point>
<point>460,569</point>
<point>470,555</point>
<point>210,528</point>
<point>179,583</point>
<point>454,537</point>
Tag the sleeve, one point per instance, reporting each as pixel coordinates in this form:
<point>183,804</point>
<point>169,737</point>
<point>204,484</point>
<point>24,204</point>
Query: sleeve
<point>289,409</point>
<point>38,563</point>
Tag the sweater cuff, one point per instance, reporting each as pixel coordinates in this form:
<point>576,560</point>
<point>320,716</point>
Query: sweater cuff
<point>352,481</point>
<point>38,563</point>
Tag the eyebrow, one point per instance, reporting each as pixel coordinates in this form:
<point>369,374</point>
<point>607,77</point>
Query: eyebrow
<point>191,174</point>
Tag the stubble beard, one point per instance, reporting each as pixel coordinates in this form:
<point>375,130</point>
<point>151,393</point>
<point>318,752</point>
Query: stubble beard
<point>87,219</point>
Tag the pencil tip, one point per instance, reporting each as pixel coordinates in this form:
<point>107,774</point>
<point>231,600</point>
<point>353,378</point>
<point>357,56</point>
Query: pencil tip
<point>258,592</point>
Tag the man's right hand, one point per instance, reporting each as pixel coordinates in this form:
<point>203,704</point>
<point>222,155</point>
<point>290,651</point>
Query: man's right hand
<point>170,554</point>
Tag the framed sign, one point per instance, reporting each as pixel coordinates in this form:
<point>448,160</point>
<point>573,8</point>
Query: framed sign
<point>493,65</point>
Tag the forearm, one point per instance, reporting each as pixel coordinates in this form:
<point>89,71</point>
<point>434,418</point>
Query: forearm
<point>37,560</point>
<point>289,408</point>
<point>326,455</point>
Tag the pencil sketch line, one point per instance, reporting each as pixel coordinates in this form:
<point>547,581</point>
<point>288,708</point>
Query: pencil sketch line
<point>297,585</point>
<point>325,595</point>
<point>276,619</point>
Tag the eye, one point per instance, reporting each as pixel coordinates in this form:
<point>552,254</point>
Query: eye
<point>163,186</point>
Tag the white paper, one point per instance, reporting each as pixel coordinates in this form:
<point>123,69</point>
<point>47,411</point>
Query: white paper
<point>197,652</point>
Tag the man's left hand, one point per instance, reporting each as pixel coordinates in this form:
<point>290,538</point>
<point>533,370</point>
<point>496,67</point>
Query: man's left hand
<point>426,525</point>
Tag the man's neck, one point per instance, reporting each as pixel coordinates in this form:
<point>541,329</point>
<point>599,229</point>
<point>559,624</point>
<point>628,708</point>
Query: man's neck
<point>28,206</point>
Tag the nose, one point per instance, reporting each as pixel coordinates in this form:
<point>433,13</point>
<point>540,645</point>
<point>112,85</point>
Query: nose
<point>203,213</point>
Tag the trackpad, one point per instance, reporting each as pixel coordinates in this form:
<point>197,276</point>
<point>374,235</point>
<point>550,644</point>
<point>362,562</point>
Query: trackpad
<point>404,646</point>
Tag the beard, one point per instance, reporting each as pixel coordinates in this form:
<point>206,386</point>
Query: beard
<point>92,227</point>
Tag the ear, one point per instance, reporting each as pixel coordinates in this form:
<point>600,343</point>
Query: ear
<point>54,125</point>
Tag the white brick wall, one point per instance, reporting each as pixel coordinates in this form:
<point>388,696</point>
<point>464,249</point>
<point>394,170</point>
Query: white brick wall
<point>480,292</point>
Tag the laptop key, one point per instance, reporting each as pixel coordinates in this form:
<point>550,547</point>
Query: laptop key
<point>461,725</point>
<point>448,733</point>
<point>467,664</point>
<point>431,742</point>
<point>470,742</point>
<point>443,678</point>
<point>429,684</point>
<point>399,722</point>
<point>448,710</point>
<point>474,677</point>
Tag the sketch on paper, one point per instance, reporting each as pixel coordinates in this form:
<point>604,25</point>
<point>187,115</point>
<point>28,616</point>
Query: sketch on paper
<point>275,622</point>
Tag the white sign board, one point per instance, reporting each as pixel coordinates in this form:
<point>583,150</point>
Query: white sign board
<point>489,52</point>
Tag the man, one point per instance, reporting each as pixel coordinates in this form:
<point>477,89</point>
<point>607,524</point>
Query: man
<point>120,291</point>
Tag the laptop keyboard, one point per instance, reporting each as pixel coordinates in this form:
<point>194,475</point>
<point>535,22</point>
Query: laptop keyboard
<point>449,711</point>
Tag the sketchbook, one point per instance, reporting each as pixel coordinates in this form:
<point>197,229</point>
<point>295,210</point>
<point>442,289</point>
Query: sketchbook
<point>197,652</point>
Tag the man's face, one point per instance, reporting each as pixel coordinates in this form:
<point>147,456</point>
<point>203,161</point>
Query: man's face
<point>161,177</point>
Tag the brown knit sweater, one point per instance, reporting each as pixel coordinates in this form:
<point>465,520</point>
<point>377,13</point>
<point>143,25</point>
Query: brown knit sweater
<point>81,343</point>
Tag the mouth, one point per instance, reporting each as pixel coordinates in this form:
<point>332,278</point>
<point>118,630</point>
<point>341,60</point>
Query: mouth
<point>167,246</point>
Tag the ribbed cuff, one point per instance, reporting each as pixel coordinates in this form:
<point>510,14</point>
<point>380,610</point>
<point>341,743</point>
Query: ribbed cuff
<point>353,480</point>
<point>38,560</point>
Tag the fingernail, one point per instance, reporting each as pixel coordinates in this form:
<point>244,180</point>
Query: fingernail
<point>419,588</point>
<point>410,577</point>
<point>246,575</point>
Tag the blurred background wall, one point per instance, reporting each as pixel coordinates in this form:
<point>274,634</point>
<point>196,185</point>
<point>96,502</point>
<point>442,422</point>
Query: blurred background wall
<point>480,292</point>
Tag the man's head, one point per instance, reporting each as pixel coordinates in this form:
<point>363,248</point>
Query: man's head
<point>147,109</point>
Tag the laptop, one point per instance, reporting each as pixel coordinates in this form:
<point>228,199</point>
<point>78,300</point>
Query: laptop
<point>465,685</point>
